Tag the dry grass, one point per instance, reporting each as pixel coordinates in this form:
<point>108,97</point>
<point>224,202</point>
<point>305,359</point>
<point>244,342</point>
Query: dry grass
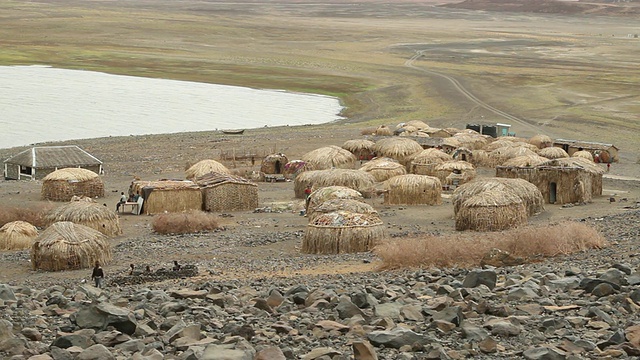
<point>34,215</point>
<point>184,223</point>
<point>467,250</point>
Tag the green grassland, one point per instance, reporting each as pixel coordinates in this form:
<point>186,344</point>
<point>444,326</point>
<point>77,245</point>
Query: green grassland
<point>569,77</point>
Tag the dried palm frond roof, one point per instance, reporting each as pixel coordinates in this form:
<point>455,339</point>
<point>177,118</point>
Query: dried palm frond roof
<point>541,141</point>
<point>355,179</point>
<point>583,154</point>
<point>553,153</point>
<point>525,161</point>
<point>323,194</point>
<point>328,157</point>
<point>19,227</point>
<point>492,198</point>
<point>163,184</point>
<point>471,141</point>
<point>431,155</point>
<point>81,210</point>
<point>418,124</point>
<point>455,165</point>
<point>397,147</point>
<point>71,174</point>
<point>502,142</point>
<point>356,145</point>
<point>528,192</point>
<point>17,235</point>
<point>574,162</point>
<point>451,141</point>
<point>345,204</point>
<point>346,219</point>
<point>205,166</point>
<point>383,130</point>
<point>214,179</point>
<point>381,163</point>
<point>275,157</point>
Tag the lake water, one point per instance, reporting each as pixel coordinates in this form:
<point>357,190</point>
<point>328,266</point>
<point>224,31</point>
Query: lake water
<point>39,103</point>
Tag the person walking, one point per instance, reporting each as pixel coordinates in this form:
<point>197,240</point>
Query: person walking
<point>123,199</point>
<point>307,198</point>
<point>608,166</point>
<point>98,275</point>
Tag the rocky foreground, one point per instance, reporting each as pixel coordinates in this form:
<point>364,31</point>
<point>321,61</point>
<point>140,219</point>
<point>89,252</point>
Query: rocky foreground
<point>586,305</point>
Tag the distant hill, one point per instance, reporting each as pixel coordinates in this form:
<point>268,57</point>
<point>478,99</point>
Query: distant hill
<point>607,8</point>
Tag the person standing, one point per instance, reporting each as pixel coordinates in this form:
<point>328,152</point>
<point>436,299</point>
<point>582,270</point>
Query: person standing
<point>123,199</point>
<point>307,198</point>
<point>98,275</point>
<point>608,166</point>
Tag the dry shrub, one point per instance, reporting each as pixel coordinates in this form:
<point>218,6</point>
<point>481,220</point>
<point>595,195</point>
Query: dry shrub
<point>34,215</point>
<point>468,249</point>
<point>184,223</point>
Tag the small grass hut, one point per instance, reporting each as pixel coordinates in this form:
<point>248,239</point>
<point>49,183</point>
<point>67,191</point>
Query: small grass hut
<point>295,167</point>
<point>64,184</point>
<point>465,170</point>
<point>401,149</point>
<point>342,232</point>
<point>413,189</point>
<point>383,168</point>
<point>362,149</point>
<point>553,153</point>
<point>541,141</point>
<point>491,210</point>
<point>17,235</point>
<point>529,193</point>
<point>224,192</point>
<point>68,246</point>
<point>463,154</point>
<point>167,195</point>
<point>383,130</point>
<point>526,161</point>
<point>204,167</point>
<point>85,211</point>
<point>501,155</point>
<point>274,164</point>
<point>303,180</point>
<point>480,158</point>
<point>324,194</point>
<point>426,161</point>
<point>348,205</point>
<point>583,154</point>
<point>330,157</point>
<point>358,180</point>
<point>561,181</point>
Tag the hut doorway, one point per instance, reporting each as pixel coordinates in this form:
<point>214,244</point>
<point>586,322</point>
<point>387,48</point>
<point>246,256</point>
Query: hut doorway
<point>552,192</point>
<point>464,157</point>
<point>278,167</point>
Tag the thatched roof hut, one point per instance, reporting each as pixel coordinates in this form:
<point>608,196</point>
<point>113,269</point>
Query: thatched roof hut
<point>303,180</point>
<point>438,133</point>
<point>541,141</point>
<point>450,144</point>
<point>167,195</point>
<point>561,181</point>
<point>397,148</point>
<point>503,142</point>
<point>471,141</point>
<point>329,157</point>
<point>295,167</point>
<point>480,158</point>
<point>491,210</point>
<point>418,124</point>
<point>349,205</point>
<point>525,161</point>
<point>383,130</point>
<point>529,193</point>
<point>342,232</point>
<point>204,167</point>
<point>413,189</point>
<point>553,153</point>
<point>383,168</point>
<point>224,192</point>
<point>463,154</point>
<point>362,149</point>
<point>85,211</point>
<point>274,164</point>
<point>358,180</point>
<point>68,246</point>
<point>63,184</point>
<point>17,235</point>
<point>324,194</point>
<point>583,154</point>
<point>426,161</point>
<point>455,167</point>
<point>501,155</point>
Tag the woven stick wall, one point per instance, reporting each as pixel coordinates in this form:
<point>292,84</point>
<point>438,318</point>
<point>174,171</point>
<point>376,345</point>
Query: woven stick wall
<point>323,236</point>
<point>230,196</point>
<point>64,190</point>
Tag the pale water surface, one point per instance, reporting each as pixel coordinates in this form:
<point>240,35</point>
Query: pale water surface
<point>39,104</point>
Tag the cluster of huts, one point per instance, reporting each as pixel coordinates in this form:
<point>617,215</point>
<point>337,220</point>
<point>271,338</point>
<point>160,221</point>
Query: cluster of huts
<point>411,165</point>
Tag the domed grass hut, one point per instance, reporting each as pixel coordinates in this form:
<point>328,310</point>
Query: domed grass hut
<point>418,124</point>
<point>413,189</point>
<point>329,157</point>
<point>303,180</point>
<point>204,167</point>
<point>529,193</point>
<point>224,192</point>
<point>348,205</point>
<point>383,168</point>
<point>358,180</point>
<point>526,161</point>
<point>561,181</point>
<point>426,161</point>
<point>480,158</point>
<point>342,232</point>
<point>541,141</point>
<point>463,154</point>
<point>401,149</point>
<point>362,149</point>
<point>274,164</point>
<point>68,246</point>
<point>324,194</point>
<point>294,167</point>
<point>491,210</point>
<point>64,184</point>
<point>583,154</point>
<point>501,155</point>
<point>553,153</point>
<point>462,172</point>
<point>85,211</point>
<point>167,195</point>
<point>17,235</point>
<point>383,130</point>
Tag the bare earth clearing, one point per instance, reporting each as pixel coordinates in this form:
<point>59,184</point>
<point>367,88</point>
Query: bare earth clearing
<point>544,73</point>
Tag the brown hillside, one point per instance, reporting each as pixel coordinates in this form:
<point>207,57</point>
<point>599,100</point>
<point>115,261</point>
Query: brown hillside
<point>630,8</point>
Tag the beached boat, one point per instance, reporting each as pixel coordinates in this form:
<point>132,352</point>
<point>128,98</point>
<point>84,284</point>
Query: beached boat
<point>233,132</point>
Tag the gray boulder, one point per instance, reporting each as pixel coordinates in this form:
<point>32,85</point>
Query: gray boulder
<point>102,315</point>
<point>396,338</point>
